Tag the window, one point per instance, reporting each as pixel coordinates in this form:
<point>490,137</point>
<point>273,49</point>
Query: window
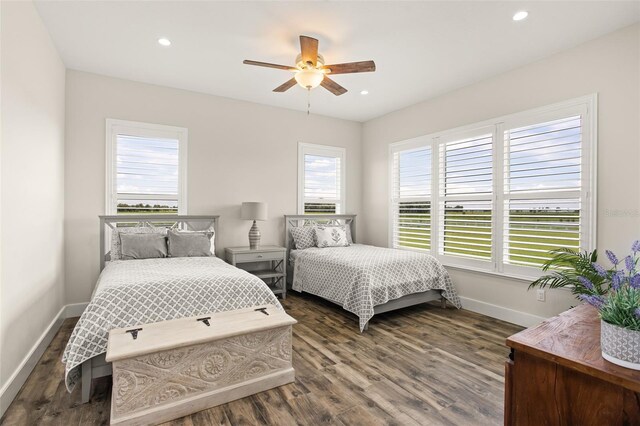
<point>146,168</point>
<point>466,195</point>
<point>508,190</point>
<point>411,198</point>
<point>321,179</point>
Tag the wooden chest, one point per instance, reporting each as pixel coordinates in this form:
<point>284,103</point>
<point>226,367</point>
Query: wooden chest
<point>170,369</point>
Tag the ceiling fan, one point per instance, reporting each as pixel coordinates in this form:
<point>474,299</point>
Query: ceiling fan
<point>310,69</point>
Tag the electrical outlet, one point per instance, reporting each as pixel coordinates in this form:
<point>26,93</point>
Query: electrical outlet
<point>540,295</point>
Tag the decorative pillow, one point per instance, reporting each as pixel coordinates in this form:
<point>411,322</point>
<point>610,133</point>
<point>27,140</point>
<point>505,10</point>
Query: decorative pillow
<point>116,253</point>
<point>142,246</point>
<point>303,237</point>
<point>209,232</point>
<point>347,229</point>
<point>331,236</point>
<point>189,243</point>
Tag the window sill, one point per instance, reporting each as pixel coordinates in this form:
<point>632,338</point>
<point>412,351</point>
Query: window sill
<point>515,277</point>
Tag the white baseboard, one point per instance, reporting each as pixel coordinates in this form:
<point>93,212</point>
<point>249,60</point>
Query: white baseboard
<point>74,310</point>
<point>17,379</point>
<point>500,312</point>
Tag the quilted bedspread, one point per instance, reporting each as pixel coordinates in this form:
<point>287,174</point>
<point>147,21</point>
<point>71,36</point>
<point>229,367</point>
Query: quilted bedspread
<point>360,277</point>
<point>134,292</point>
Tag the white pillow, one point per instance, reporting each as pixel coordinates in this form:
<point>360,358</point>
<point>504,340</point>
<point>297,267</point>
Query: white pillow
<point>116,245</point>
<point>331,236</point>
<point>347,229</point>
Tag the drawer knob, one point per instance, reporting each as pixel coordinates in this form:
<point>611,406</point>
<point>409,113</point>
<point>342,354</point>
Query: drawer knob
<point>259,256</point>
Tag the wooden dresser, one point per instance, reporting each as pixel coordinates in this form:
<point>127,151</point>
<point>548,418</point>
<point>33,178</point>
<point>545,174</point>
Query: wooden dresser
<point>556,375</point>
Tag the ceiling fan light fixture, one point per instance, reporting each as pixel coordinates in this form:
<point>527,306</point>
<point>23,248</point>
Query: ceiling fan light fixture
<point>310,69</point>
<point>309,78</point>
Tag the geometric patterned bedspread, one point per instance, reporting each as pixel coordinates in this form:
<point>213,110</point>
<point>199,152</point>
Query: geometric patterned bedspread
<point>359,277</point>
<point>134,292</point>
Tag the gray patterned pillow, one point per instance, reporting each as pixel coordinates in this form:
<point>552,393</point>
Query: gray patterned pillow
<point>331,236</point>
<point>116,244</point>
<point>303,237</point>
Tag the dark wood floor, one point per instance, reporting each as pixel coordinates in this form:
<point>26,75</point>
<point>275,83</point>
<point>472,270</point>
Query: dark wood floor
<point>419,366</point>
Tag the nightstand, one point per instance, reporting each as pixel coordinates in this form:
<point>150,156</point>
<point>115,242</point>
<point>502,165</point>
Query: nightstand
<point>274,274</point>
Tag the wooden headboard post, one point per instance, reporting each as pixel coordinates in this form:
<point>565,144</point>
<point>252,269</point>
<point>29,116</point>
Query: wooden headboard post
<point>184,222</point>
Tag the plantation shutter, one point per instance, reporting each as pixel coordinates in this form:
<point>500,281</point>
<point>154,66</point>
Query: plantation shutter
<point>544,198</point>
<point>466,196</point>
<point>147,174</point>
<point>411,199</point>
<point>498,196</point>
<point>323,180</point>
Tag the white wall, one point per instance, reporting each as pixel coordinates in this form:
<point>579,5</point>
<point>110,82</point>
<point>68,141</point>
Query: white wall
<point>609,66</point>
<point>238,151</point>
<point>32,182</point>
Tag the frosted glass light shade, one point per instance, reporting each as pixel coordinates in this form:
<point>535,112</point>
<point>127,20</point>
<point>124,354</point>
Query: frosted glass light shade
<point>254,211</point>
<point>309,78</point>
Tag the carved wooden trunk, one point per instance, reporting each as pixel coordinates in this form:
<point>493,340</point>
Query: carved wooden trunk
<point>175,368</point>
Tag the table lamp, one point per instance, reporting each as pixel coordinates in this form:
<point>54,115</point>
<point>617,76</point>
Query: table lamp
<point>254,211</point>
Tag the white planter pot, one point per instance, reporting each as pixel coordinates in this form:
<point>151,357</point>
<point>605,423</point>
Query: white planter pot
<point>620,345</point>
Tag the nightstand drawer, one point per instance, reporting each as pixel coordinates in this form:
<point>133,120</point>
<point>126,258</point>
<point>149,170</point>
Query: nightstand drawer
<point>259,256</point>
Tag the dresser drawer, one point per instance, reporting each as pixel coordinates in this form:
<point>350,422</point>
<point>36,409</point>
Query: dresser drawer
<point>259,256</point>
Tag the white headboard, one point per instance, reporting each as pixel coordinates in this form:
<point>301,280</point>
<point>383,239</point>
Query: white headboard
<point>184,222</point>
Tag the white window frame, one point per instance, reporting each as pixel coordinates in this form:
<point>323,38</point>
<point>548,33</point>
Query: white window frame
<point>586,106</point>
<point>146,130</point>
<point>410,145</point>
<point>438,144</point>
<point>326,151</point>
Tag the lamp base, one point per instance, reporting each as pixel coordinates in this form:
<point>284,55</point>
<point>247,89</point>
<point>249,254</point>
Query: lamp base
<point>254,237</point>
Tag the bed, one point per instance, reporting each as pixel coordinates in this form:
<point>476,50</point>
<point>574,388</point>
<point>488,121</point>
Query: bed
<point>365,280</point>
<point>133,292</point>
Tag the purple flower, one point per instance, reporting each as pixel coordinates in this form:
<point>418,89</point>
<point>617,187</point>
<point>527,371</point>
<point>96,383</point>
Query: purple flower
<point>616,280</point>
<point>634,282</point>
<point>612,257</point>
<point>629,263</point>
<point>585,282</point>
<point>636,246</point>
<point>637,312</point>
<point>595,301</point>
<point>600,270</point>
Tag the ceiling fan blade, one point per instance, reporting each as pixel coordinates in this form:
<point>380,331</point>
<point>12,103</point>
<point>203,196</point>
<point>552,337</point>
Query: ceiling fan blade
<point>351,67</point>
<point>268,65</point>
<point>309,50</point>
<point>285,86</point>
<point>332,86</point>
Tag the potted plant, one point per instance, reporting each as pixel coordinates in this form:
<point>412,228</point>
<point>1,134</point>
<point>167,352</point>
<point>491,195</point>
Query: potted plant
<point>567,266</point>
<point>619,308</point>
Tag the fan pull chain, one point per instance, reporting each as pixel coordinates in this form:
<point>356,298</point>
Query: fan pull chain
<point>308,100</point>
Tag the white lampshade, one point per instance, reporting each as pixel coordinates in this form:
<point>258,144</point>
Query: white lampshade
<point>309,78</point>
<point>254,211</point>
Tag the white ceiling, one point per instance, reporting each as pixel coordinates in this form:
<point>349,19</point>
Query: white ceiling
<point>421,49</point>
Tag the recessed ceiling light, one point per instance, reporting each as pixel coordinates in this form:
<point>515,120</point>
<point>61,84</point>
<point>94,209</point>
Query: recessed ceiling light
<point>364,92</point>
<point>519,16</point>
<point>164,41</point>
